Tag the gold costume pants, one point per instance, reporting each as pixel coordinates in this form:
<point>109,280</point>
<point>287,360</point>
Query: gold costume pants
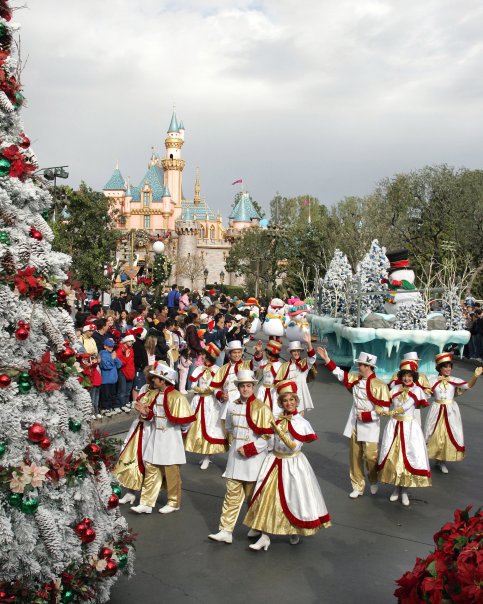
<point>153,482</point>
<point>236,492</point>
<point>358,453</point>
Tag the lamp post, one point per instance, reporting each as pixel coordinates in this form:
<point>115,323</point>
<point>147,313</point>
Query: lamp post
<point>222,279</point>
<point>205,274</point>
<point>54,173</point>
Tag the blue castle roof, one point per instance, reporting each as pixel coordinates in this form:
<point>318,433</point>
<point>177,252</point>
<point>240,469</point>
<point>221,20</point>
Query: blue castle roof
<point>198,211</point>
<point>173,126</point>
<point>116,182</point>
<point>244,211</point>
<point>154,177</point>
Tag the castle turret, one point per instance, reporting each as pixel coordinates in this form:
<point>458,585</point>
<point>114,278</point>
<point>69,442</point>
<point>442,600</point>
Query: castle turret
<point>187,230</point>
<point>173,164</point>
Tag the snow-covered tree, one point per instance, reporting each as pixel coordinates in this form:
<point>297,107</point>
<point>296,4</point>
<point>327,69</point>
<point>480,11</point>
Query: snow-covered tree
<point>61,534</point>
<point>451,308</point>
<point>412,316</point>
<point>333,287</point>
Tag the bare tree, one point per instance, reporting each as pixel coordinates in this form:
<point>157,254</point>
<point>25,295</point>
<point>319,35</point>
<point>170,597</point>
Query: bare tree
<point>191,267</point>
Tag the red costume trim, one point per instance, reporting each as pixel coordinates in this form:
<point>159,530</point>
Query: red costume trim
<point>455,384</point>
<point>250,450</point>
<point>311,353</point>
<point>201,409</point>
<point>444,412</point>
<point>170,417</point>
<point>407,465</point>
<point>304,438</point>
<point>331,365</point>
<point>268,394</point>
<point>139,452</point>
<point>366,416</point>
<point>251,423</point>
<point>419,402</point>
<point>371,397</point>
<point>221,383</point>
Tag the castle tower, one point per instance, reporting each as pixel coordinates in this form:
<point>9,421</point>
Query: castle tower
<point>187,230</point>
<point>173,164</point>
<point>197,197</point>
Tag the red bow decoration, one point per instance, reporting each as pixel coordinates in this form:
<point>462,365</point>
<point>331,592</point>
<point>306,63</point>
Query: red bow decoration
<point>44,374</point>
<point>19,166</point>
<point>28,283</point>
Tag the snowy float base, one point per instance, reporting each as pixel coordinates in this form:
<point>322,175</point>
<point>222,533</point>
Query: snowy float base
<point>345,343</point>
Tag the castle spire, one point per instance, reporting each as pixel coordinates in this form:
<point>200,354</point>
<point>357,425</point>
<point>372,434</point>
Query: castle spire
<point>197,197</point>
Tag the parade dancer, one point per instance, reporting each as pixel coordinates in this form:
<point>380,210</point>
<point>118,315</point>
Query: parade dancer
<point>170,415</point>
<point>267,391</point>
<point>422,381</point>
<point>224,380</point>
<point>206,435</point>
<point>444,429</point>
<point>247,423</point>
<point>371,396</point>
<point>287,499</point>
<point>403,458</point>
<point>297,370</point>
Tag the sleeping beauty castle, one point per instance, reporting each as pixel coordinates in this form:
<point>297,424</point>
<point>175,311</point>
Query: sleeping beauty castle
<point>194,237</point>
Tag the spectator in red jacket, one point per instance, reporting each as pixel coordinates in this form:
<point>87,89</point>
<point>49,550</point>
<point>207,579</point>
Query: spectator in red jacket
<point>127,373</point>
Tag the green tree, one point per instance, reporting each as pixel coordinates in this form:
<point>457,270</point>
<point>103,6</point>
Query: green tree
<point>85,232</point>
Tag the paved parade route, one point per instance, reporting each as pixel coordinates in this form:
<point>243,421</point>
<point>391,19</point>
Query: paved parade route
<point>372,542</point>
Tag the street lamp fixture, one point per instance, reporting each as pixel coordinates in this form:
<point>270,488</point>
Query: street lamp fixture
<point>54,173</point>
<point>205,273</point>
<point>222,279</point>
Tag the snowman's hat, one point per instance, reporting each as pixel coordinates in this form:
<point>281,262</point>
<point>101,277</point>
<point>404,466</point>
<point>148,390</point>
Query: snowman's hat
<point>399,259</point>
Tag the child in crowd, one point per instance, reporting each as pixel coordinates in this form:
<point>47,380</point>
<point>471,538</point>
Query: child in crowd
<point>183,368</point>
<point>109,365</point>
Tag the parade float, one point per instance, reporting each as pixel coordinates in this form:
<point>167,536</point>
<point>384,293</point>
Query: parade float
<point>380,310</point>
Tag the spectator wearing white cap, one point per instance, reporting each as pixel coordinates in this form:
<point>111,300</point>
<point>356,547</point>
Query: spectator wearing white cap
<point>87,340</point>
<point>370,398</point>
<point>248,425</point>
<point>170,415</point>
<point>224,381</point>
<point>297,370</point>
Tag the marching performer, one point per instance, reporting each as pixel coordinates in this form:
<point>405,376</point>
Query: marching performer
<point>297,370</point>
<point>206,435</point>
<point>422,381</point>
<point>371,396</point>
<point>444,428</point>
<point>287,499</point>
<point>247,422</point>
<point>170,415</point>
<point>403,458</point>
<point>269,367</point>
<point>224,381</point>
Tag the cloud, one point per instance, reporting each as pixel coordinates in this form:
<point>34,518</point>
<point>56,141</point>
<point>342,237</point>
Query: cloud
<point>316,97</point>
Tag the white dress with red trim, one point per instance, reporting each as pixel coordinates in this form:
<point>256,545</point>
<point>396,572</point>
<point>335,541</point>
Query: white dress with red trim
<point>170,415</point>
<point>298,371</point>
<point>287,498</point>
<point>224,379</point>
<point>403,457</point>
<point>444,428</point>
<point>267,392</point>
<point>206,435</point>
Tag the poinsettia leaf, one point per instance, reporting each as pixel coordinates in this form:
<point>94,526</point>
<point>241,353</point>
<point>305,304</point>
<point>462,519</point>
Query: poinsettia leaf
<point>431,568</point>
<point>460,542</point>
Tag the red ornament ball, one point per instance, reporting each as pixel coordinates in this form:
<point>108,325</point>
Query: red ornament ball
<point>21,333</point>
<point>35,234</point>
<point>5,381</point>
<point>87,521</point>
<point>111,568</point>
<point>24,141</point>
<point>113,502</point>
<point>88,535</point>
<point>80,528</point>
<point>66,354</point>
<point>92,449</point>
<point>45,443</point>
<point>36,433</point>
<point>24,325</point>
<point>105,553</point>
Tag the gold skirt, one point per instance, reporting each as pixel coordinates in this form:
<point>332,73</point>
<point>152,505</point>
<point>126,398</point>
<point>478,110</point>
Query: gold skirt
<point>394,471</point>
<point>266,513</point>
<point>198,440</point>
<point>440,446</point>
<point>129,469</point>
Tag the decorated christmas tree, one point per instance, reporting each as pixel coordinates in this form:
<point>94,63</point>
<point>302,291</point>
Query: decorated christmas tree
<point>412,315</point>
<point>451,308</point>
<point>370,276</point>
<point>62,538</point>
<point>333,290</point>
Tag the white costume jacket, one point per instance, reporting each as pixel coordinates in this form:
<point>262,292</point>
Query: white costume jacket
<point>267,392</point>
<point>297,371</point>
<point>224,380</point>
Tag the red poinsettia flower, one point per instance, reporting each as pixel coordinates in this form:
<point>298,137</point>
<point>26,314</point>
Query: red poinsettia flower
<point>12,152</point>
<point>44,374</point>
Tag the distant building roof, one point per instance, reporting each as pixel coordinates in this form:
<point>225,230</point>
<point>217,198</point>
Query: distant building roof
<point>116,182</point>
<point>199,210</point>
<point>154,177</point>
<point>244,211</point>
<point>173,126</point>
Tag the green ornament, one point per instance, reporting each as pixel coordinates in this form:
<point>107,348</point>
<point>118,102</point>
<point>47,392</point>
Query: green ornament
<point>15,499</point>
<point>4,166</point>
<point>122,560</point>
<point>68,596</point>
<point>24,387</point>
<point>52,300</point>
<point>81,472</point>
<point>74,425</point>
<point>19,97</point>
<point>45,214</point>
<point>71,361</point>
<point>3,448</point>
<point>24,376</point>
<point>3,30</point>
<point>29,506</point>
<point>116,489</point>
<point>4,238</point>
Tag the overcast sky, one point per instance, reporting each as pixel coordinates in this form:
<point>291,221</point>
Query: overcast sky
<point>319,97</point>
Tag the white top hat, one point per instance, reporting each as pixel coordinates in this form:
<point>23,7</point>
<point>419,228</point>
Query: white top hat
<point>367,359</point>
<point>234,345</point>
<point>129,338</point>
<point>295,345</point>
<point>411,356</point>
<point>245,375</point>
<point>163,371</point>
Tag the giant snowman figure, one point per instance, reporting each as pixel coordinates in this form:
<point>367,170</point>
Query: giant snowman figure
<point>274,319</point>
<point>254,308</point>
<point>296,324</point>
<point>401,282</point>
